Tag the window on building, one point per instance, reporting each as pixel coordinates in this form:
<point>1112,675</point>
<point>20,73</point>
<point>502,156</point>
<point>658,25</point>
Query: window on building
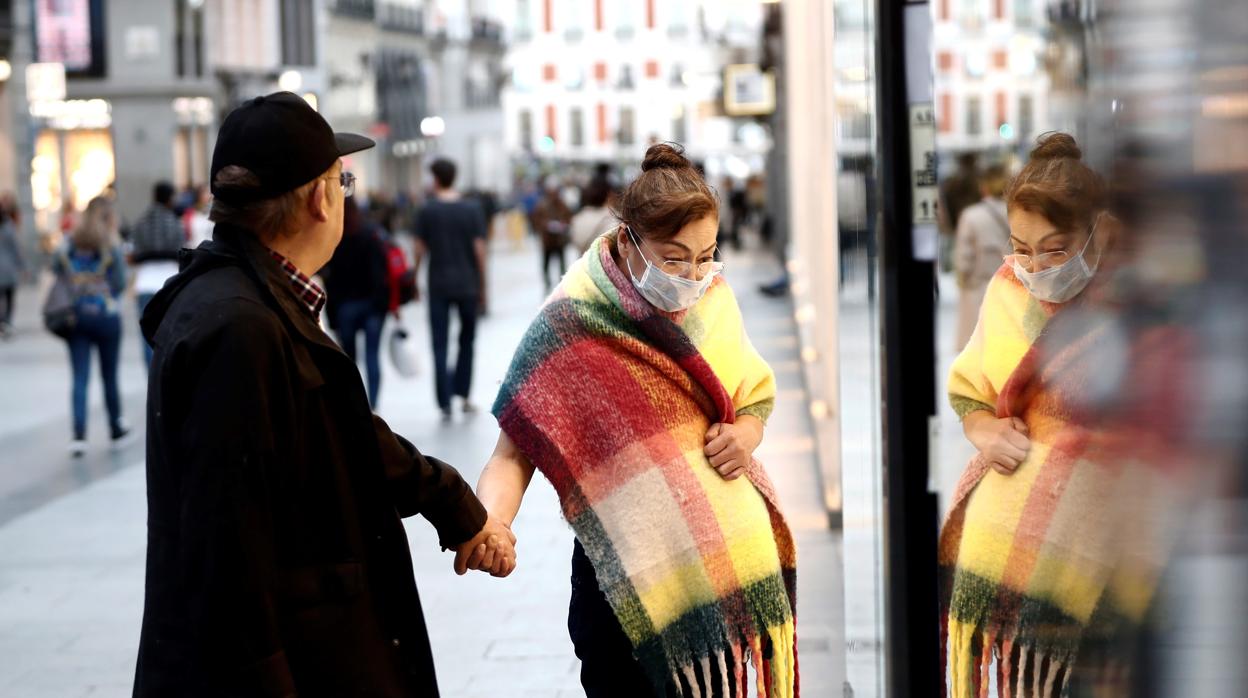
<point>576,127</point>
<point>678,75</point>
<point>679,17</point>
<point>298,32</point>
<point>680,132</point>
<point>524,20</point>
<point>1026,117</point>
<point>626,78</point>
<point>624,16</point>
<point>626,134</point>
<point>971,12</point>
<point>188,39</point>
<point>974,116</point>
<point>526,129</point>
<point>575,19</point>
<point>1023,13</point>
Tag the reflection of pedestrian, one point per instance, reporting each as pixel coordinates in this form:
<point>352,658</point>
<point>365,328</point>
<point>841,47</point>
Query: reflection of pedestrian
<point>356,282</point>
<point>637,393</point>
<point>12,261</point>
<point>451,233</point>
<point>277,564</point>
<point>551,218</point>
<point>957,192</point>
<point>1053,545</point>
<point>156,239</point>
<point>93,263</point>
<point>983,237</point>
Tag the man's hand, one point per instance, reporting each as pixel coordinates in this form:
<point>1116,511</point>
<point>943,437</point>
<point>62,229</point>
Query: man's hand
<point>730,447</point>
<point>492,550</point>
<point>1004,443</point>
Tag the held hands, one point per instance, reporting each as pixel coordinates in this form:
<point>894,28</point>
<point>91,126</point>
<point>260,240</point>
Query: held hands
<point>492,550</point>
<point>730,447</point>
<point>1004,443</point>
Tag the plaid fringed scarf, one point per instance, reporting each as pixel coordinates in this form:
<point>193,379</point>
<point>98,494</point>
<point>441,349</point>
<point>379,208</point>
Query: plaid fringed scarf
<point>611,400</point>
<point>1046,570</point>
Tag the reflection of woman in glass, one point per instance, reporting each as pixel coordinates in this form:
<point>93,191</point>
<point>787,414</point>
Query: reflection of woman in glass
<point>1046,551</point>
<point>982,238</point>
<point>637,393</point>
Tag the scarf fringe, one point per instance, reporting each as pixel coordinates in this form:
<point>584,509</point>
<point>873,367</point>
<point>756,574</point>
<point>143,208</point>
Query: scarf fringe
<point>775,673</point>
<point>1038,672</point>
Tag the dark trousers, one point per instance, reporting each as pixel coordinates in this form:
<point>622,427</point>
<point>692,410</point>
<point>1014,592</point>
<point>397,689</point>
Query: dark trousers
<point>143,299</point>
<point>362,316</point>
<point>608,669</point>
<point>6,305</point>
<point>102,331</point>
<point>550,254</point>
<point>459,381</point>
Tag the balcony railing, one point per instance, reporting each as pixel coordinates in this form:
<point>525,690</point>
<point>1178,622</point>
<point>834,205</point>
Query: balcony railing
<point>361,9</point>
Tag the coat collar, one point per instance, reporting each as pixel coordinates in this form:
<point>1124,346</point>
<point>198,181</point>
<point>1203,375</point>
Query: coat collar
<point>263,268</point>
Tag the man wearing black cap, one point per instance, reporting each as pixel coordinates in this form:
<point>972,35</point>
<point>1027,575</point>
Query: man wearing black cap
<point>277,562</point>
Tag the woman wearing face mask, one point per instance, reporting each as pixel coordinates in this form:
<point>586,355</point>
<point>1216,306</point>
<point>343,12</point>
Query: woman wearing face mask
<point>1033,562</point>
<point>637,393</point>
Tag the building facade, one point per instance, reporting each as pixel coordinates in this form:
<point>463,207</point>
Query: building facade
<point>991,86</point>
<point>630,72</point>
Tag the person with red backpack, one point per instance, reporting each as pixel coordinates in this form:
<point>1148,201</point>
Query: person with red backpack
<point>93,268</point>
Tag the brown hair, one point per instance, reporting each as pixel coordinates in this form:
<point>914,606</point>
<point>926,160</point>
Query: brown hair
<point>668,195</point>
<point>96,231</point>
<point>268,218</point>
<point>1056,184</point>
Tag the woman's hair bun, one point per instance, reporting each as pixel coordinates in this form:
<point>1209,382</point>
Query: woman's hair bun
<point>1056,145</point>
<point>665,156</point>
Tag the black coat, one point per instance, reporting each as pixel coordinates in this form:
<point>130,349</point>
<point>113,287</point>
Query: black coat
<point>277,564</point>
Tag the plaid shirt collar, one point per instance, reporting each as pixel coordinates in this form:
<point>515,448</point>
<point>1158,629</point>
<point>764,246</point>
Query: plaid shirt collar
<point>304,288</point>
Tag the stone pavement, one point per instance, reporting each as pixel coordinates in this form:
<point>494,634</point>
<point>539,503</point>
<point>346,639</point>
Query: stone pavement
<point>72,534</point>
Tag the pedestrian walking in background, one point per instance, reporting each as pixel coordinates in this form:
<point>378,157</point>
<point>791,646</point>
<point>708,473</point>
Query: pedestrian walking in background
<point>982,240</point>
<point>155,240</point>
<point>357,283</point>
<point>550,219</point>
<point>12,261</point>
<point>594,218</point>
<point>92,262</point>
<point>958,191</point>
<point>277,563</point>
<point>638,394</point>
<point>451,235</point>
<point>195,218</point>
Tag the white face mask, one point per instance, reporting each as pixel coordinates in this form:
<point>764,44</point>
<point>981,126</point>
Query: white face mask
<point>664,291</point>
<point>1061,283</point>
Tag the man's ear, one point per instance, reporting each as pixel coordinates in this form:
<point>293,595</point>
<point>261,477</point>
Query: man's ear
<point>318,202</point>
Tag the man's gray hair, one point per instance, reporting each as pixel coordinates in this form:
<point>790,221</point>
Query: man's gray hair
<point>267,218</point>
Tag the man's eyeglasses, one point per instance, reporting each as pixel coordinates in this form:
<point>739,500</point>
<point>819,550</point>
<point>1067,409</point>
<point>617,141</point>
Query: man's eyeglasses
<point>348,184</point>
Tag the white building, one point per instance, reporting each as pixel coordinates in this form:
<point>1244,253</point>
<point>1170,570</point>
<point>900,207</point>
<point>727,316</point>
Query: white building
<point>598,81</point>
<point>991,86</point>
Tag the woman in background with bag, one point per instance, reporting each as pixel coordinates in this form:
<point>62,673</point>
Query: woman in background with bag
<point>91,266</point>
<point>983,239</point>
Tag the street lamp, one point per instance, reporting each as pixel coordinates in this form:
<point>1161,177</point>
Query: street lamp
<point>432,126</point>
<point>6,70</point>
<point>290,81</point>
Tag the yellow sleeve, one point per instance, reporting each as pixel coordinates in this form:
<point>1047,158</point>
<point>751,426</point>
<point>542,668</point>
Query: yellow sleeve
<point>969,387</point>
<point>757,394</point>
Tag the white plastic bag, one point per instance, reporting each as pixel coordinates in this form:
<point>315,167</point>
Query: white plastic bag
<point>403,352</point>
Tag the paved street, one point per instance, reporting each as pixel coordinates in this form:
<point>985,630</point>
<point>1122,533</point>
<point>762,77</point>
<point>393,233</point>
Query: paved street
<point>72,534</point>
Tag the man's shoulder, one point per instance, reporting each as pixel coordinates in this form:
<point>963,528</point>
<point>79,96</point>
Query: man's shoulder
<point>225,297</point>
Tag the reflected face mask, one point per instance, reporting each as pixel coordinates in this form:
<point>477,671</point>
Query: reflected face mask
<point>1061,283</point>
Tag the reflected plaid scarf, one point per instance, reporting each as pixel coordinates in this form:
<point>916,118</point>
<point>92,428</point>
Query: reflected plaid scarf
<point>611,401</point>
<point>1045,570</point>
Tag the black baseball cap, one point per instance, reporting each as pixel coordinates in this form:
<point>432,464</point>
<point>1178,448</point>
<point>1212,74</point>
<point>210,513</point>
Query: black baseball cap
<point>283,141</point>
